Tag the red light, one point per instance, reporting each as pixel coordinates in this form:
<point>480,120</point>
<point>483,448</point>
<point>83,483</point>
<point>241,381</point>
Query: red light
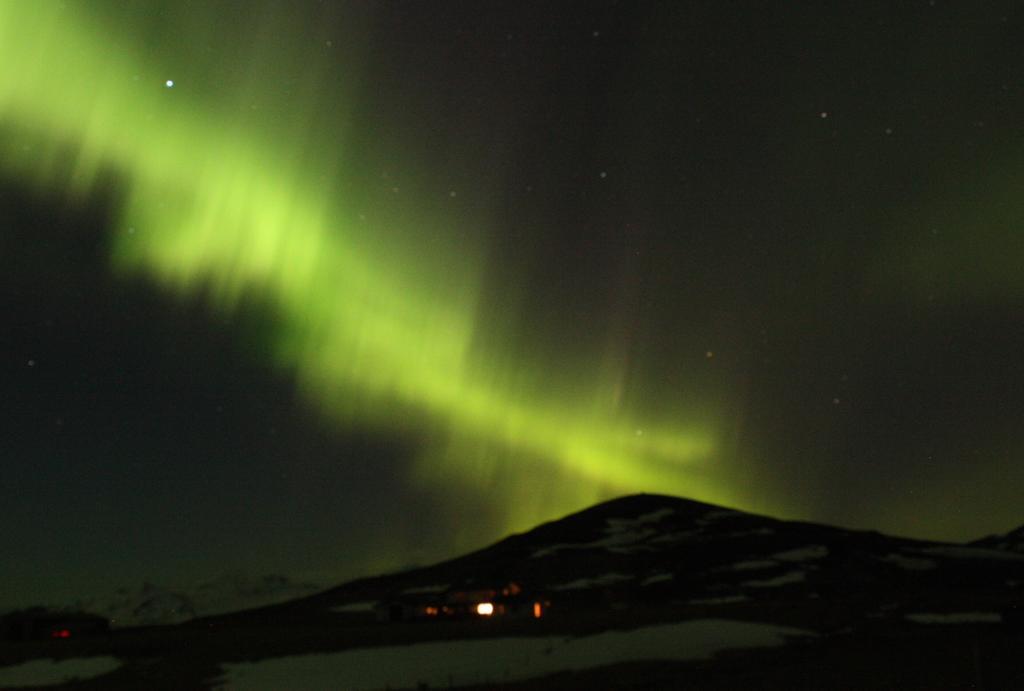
<point>60,633</point>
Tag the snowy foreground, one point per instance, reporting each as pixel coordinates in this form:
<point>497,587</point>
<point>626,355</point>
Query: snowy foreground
<point>458,663</point>
<point>48,672</point>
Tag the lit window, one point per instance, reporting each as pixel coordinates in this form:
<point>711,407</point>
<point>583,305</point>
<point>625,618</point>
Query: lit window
<point>485,609</point>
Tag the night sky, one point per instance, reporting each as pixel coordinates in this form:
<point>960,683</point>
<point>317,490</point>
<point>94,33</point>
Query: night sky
<point>330,288</point>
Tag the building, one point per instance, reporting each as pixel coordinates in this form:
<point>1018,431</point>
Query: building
<point>508,600</point>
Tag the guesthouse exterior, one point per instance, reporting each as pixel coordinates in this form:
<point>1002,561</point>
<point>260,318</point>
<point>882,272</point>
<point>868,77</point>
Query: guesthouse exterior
<point>506,601</point>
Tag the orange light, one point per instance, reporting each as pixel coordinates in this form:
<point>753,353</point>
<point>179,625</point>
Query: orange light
<point>485,609</point>
<point>537,610</point>
<point>432,611</point>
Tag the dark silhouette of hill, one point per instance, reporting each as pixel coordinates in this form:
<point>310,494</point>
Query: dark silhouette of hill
<point>842,609</point>
<point>658,550</point>
<point>1012,541</point>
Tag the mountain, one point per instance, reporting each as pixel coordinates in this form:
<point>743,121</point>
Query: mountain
<point>653,549</point>
<point>152,604</point>
<point>1012,541</point>
<point>635,549</point>
<point>644,591</point>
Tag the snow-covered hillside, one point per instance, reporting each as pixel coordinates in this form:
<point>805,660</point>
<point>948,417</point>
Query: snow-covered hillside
<point>644,584</point>
<point>155,604</point>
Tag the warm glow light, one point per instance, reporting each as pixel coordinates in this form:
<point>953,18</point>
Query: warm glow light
<point>537,610</point>
<point>485,609</point>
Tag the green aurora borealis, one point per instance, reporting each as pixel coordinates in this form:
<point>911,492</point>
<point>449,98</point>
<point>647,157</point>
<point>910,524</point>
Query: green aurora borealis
<point>220,201</point>
<point>618,260</point>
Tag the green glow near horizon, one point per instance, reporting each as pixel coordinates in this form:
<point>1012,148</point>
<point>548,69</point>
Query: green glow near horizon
<point>231,190</point>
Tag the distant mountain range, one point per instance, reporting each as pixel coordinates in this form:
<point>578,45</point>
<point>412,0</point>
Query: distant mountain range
<point>653,549</point>
<point>152,604</point>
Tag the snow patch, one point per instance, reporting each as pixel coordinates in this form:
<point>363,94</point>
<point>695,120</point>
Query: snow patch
<point>355,607</point>
<point>45,672</point>
<point>718,514</point>
<point>596,582</point>
<point>553,549</point>
<point>622,535</point>
<point>673,537</point>
<point>625,534</point>
<point>958,552</point>
<point>956,618</point>
<point>627,541</point>
<point>810,552</point>
<point>747,533</point>
<point>784,579</point>
<point>657,578</point>
<point>616,525</point>
<point>725,600</point>
<point>655,516</point>
<point>499,660</point>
